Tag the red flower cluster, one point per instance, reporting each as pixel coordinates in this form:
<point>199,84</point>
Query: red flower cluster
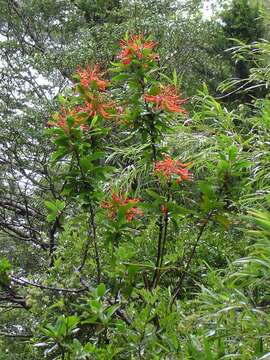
<point>60,120</point>
<point>169,167</point>
<point>167,99</point>
<point>97,105</point>
<point>118,202</point>
<point>136,48</point>
<point>95,102</point>
<point>91,77</point>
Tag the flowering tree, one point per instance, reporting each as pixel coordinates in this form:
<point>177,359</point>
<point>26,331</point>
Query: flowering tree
<point>145,107</point>
<point>135,102</point>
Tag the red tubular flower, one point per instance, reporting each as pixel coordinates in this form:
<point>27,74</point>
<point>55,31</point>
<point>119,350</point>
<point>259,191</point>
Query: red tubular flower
<point>167,99</point>
<point>169,167</point>
<point>118,202</point>
<point>91,77</point>
<point>84,127</point>
<point>136,47</point>
<point>117,199</point>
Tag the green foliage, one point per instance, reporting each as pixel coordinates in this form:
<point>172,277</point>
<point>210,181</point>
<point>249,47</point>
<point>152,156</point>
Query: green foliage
<point>238,19</point>
<point>243,25</point>
<point>149,224</point>
<point>54,209</point>
<point>5,268</point>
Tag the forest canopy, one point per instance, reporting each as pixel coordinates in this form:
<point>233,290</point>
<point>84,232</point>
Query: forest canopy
<point>134,198</point>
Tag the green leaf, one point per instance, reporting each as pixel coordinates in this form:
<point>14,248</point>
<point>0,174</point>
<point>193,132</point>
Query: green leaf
<point>62,140</point>
<point>233,151</point>
<point>71,322</point>
<point>95,305</point>
<point>101,289</point>
<point>70,121</point>
<point>154,195</point>
<point>54,208</point>
<point>50,205</point>
<point>175,78</point>
<point>59,154</point>
<point>111,310</point>
<point>94,121</point>
<point>120,77</point>
<point>206,189</point>
<point>5,268</point>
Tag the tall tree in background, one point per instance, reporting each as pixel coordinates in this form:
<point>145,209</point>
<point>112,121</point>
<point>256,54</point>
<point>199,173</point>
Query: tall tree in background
<point>242,21</point>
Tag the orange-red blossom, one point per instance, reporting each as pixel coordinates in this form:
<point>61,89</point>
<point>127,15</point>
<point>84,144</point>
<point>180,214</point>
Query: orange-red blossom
<point>97,105</point>
<point>60,120</point>
<point>91,77</point>
<point>134,49</point>
<point>167,99</point>
<point>118,202</point>
<point>169,167</point>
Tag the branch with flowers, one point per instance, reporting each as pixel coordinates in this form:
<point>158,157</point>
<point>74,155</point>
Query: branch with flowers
<point>158,106</point>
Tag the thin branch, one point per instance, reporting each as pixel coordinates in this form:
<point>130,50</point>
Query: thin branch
<point>20,235</point>
<point>2,333</point>
<point>185,271</point>
<point>92,229</point>
<point>158,269</point>
<point>159,248</point>
<point>25,282</point>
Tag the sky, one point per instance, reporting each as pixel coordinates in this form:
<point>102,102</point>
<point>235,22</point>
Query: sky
<point>207,11</point>
<point>208,4</point>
